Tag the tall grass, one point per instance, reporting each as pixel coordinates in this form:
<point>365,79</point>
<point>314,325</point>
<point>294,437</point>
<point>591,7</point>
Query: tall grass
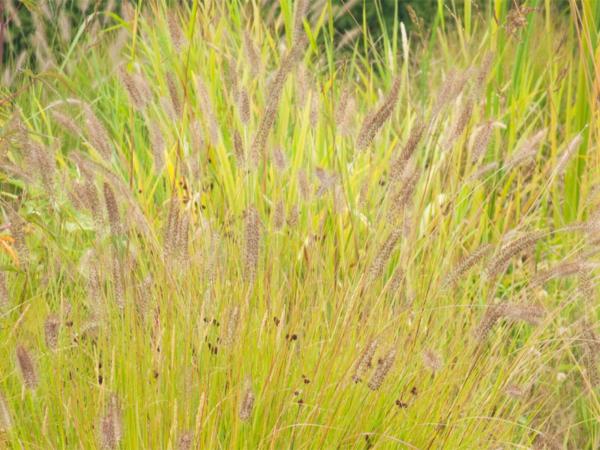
<point>227,227</point>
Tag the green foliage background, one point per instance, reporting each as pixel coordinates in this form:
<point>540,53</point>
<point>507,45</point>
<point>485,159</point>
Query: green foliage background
<point>372,13</point>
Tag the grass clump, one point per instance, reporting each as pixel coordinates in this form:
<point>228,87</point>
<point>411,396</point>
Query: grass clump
<point>223,227</point>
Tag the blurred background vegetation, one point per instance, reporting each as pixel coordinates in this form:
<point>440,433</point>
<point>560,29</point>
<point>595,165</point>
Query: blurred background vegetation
<point>34,29</point>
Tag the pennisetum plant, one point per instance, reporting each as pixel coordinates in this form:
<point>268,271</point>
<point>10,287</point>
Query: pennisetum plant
<point>462,185</point>
<point>27,367</point>
<point>111,425</point>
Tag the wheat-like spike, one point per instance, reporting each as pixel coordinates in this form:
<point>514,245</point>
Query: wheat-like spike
<point>279,215</point>
<point>409,222</point>
<point>301,10</point>
<point>94,292</point>
<point>208,110</point>
<point>167,105</point>
<point>348,37</point>
<point>498,265</point>
<point>43,159</point>
<point>171,228</point>
<point>592,226</point>
<point>451,88</point>
<point>111,427</point>
<point>531,314</point>
<point>247,405</point>
<point>232,326</point>
<point>484,69</point>
<point>51,330</point>
<point>365,361</point>
<point>116,48</point>
<point>375,120</point>
<point>345,123</point>
<point>303,185</point>
<point>5,415</point>
<point>66,122</point>
<point>403,195</point>
<point>384,365</point>
<point>467,263</point>
<point>252,242</point>
<point>567,154</point>
<point>591,337</point>
<point>116,229</point>
<point>97,133</point>
<point>144,287</point>
<point>591,356</point>
<point>174,94</point>
<point>275,90</point>
<point>177,37</point>
<point>345,8</point>
<point>157,145</point>
<point>481,141</point>
<point>17,230</point>
<point>527,150</point>
<point>181,237</point>
<point>314,109</point>
<point>185,441</point>
<point>563,270</point>
<point>127,12</point>
<point>293,216</point>
<point>117,272</point>
<point>252,55</point>
<point>92,201</point>
<point>460,125</point>
<point>27,368</point>
<point>304,82</point>
<point>383,256</point>
<point>339,200</point>
<point>396,280</point>
<point>492,314</point>
<point>238,147</point>
<point>483,170</point>
<point>341,105</point>
<point>10,73</point>
<point>327,180</point>
<point>196,138</point>
<point>211,269</point>
<point>244,106</point>
<point>279,159</point>
<point>142,86</point>
<point>43,52</point>
<point>84,195</point>
<point>16,129</point>
<point>110,7</point>
<point>231,77</point>
<point>398,166</point>
<point>586,284</point>
<point>432,360</point>
<point>514,391</point>
<point>112,210</point>
<point>134,88</point>
<point>65,29</point>
<point>546,442</point>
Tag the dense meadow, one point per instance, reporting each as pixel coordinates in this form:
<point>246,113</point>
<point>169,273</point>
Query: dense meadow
<point>226,225</point>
